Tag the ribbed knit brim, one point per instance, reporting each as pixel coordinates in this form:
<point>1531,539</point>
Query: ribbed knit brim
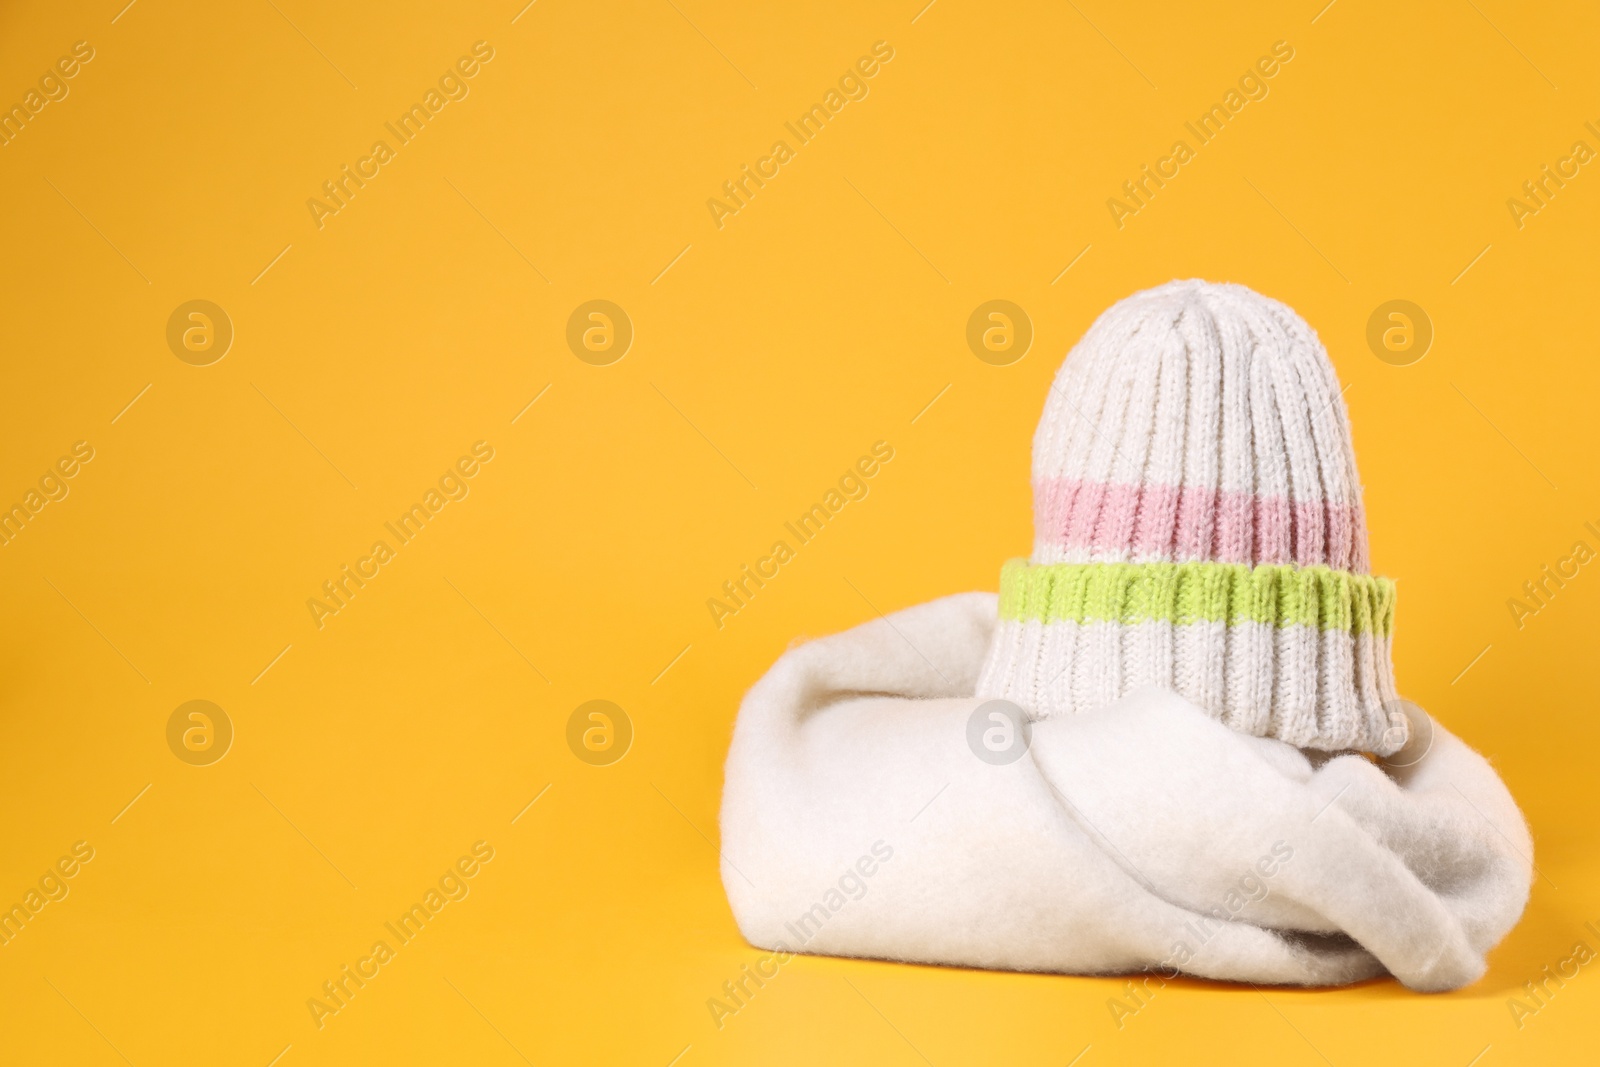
<point>1199,526</point>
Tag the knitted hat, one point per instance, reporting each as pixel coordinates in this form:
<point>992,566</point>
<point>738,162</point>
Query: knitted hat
<point>1198,526</point>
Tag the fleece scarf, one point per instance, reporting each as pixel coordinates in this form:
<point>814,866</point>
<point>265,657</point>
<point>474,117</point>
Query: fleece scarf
<point>875,807</point>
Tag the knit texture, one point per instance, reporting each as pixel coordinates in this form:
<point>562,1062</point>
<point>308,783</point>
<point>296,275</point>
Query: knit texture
<point>1198,526</point>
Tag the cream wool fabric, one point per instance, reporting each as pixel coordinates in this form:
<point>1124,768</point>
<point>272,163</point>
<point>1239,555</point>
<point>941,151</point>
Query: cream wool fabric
<point>1199,526</point>
<point>1195,637</point>
<point>857,821</point>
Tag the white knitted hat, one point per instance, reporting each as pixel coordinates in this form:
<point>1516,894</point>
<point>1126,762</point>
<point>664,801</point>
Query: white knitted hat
<point>1198,526</point>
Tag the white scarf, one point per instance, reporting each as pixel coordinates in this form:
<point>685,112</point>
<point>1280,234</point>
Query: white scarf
<point>865,814</point>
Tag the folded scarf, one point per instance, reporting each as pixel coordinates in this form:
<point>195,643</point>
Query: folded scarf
<point>875,807</point>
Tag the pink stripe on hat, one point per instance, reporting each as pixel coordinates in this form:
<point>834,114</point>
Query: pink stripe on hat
<point>1168,522</point>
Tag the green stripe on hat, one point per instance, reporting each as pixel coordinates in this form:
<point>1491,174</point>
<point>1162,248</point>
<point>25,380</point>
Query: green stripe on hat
<point>1280,594</point>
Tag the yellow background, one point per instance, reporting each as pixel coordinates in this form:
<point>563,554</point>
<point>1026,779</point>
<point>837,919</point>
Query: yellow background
<point>825,316</point>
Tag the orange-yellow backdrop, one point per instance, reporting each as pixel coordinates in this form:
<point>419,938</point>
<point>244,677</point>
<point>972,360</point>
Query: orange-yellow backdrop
<point>373,346</point>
